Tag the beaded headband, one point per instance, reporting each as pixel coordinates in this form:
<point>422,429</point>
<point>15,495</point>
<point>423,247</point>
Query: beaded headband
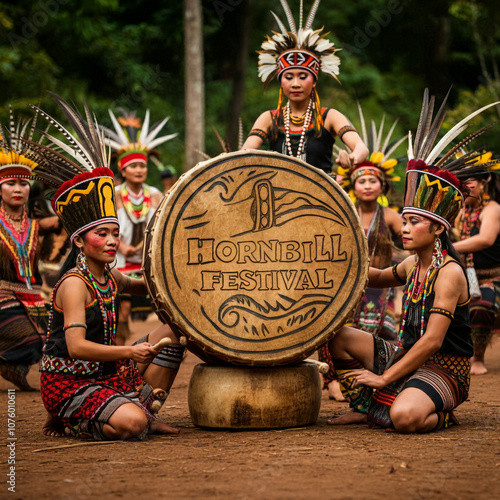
<point>14,154</point>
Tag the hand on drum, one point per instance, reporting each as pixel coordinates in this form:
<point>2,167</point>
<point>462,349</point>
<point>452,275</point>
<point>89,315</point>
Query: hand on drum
<point>366,377</point>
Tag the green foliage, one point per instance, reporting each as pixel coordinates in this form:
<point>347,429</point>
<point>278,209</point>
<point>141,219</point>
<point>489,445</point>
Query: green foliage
<point>119,53</point>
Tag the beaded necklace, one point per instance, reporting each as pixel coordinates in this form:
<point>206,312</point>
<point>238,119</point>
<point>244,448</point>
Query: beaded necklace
<point>102,291</point>
<point>307,122</point>
<point>137,206</point>
<point>415,292</point>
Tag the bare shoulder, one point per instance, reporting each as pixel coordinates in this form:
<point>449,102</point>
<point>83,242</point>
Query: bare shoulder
<point>492,209</point>
<point>451,278</point>
<point>72,287</point>
<point>264,121</point>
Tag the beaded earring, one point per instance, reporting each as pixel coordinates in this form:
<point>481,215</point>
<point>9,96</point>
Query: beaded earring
<point>437,254</point>
<point>81,262</point>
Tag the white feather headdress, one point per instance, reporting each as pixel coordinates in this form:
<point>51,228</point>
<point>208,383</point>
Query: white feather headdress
<point>300,47</point>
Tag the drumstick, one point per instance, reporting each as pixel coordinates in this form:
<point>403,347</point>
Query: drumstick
<point>162,343</point>
<point>322,367</point>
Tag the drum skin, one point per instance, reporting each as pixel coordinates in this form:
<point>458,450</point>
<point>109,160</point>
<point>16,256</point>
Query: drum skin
<point>256,258</point>
<point>246,398</point>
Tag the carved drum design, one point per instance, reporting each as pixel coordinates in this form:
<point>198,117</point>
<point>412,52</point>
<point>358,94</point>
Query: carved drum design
<point>256,257</point>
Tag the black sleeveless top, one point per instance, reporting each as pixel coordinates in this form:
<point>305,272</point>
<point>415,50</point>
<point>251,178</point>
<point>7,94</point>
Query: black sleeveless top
<point>56,358</point>
<point>457,340</point>
<point>318,150</point>
<point>488,257</point>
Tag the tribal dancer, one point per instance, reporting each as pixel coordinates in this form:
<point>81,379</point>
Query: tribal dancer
<point>368,185</point>
<point>425,375</point>
<point>91,387</point>
<point>479,227</point>
<point>136,201</point>
<point>302,128</point>
<point>23,312</point>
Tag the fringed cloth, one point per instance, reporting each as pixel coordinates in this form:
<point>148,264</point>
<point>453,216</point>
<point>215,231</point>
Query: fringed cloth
<point>23,323</point>
<point>85,405</point>
<point>444,378</point>
<point>484,311</point>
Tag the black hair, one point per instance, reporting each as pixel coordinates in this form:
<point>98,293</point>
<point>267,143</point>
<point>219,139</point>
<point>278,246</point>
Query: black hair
<point>447,245</point>
<point>70,261</point>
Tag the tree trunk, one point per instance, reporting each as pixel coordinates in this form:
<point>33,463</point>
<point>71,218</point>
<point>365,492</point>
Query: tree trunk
<point>245,24</point>
<point>194,82</point>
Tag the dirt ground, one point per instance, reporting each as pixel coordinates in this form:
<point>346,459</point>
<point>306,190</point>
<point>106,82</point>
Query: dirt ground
<point>318,461</point>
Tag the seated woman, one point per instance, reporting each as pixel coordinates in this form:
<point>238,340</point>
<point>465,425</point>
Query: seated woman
<point>413,386</point>
<point>90,386</point>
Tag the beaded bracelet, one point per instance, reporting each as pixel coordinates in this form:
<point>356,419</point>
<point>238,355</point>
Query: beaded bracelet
<point>74,325</point>
<point>396,275</point>
<point>444,312</point>
<point>259,133</point>
<point>345,129</point>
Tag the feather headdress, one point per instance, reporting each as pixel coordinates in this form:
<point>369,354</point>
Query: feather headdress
<point>132,140</point>
<point>14,154</point>
<point>78,167</point>
<point>379,163</point>
<point>300,47</point>
<point>434,183</point>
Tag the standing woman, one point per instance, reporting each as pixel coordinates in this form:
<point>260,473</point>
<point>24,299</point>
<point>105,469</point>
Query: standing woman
<point>368,184</point>
<point>302,128</point>
<point>23,312</point>
<point>479,227</point>
<point>90,386</point>
<point>136,201</point>
<point>420,380</point>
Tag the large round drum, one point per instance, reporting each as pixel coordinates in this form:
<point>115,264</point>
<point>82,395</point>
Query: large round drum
<point>256,257</point>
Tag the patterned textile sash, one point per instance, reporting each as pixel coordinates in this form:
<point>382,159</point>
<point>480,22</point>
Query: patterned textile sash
<point>31,300</point>
<point>383,399</point>
<point>69,366</point>
<point>20,288</point>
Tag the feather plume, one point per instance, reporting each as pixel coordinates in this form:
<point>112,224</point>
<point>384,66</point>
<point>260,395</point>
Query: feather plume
<point>312,14</point>
<point>289,16</point>
<point>443,143</point>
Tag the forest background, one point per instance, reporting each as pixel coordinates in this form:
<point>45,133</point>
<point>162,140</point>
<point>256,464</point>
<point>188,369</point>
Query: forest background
<point>131,54</point>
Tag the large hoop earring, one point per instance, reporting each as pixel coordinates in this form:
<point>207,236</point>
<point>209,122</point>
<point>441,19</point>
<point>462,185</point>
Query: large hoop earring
<point>437,253</point>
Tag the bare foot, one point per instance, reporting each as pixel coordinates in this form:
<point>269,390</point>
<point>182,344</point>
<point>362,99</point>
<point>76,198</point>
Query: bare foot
<point>158,427</point>
<point>352,417</point>
<point>477,367</point>
<point>53,427</point>
<point>334,391</point>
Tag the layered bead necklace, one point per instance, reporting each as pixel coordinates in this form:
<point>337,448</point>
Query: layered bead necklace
<point>416,292</point>
<point>19,236</point>
<point>307,122</point>
<point>102,292</point>
<point>136,205</point>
